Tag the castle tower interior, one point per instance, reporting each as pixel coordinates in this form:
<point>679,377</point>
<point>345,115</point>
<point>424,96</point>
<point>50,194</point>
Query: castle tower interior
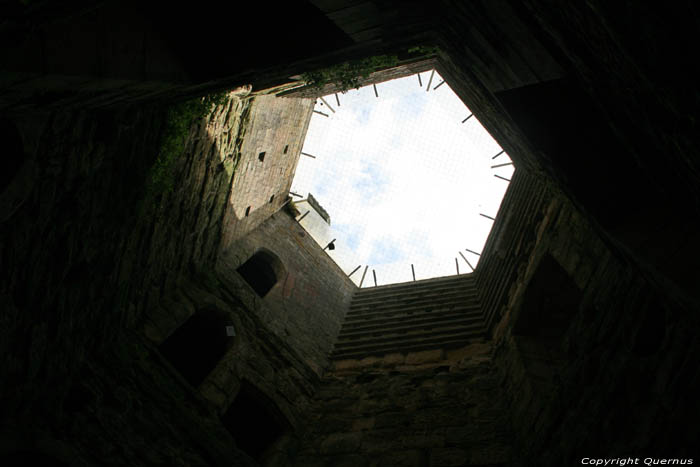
<point>161,304</point>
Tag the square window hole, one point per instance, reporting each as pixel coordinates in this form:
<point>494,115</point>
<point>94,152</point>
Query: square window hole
<point>254,420</point>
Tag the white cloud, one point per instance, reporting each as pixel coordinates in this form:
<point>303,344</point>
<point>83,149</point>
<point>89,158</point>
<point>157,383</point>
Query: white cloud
<point>402,178</point>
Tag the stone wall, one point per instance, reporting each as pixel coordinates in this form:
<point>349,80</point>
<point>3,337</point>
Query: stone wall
<point>64,235</point>
<point>255,356</point>
<point>105,53</point>
<point>306,307</point>
<point>509,243</point>
<point>436,410</point>
<point>503,52</point>
<point>397,319</point>
<point>80,224</point>
<point>275,133</point>
<point>399,70</point>
<point>132,390</point>
<point>83,265</point>
<point>607,367</point>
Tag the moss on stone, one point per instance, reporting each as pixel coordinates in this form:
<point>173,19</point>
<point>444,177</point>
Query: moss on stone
<point>349,75</point>
<point>179,120</point>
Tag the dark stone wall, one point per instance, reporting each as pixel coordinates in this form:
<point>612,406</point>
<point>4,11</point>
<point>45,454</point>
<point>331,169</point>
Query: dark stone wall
<point>90,256</point>
<point>509,243</point>
<point>255,356</point>
<point>605,367</point>
<point>406,65</point>
<point>504,52</point>
<point>438,413</point>
<point>101,53</point>
<point>87,271</point>
<point>110,410</point>
<point>639,161</point>
<point>63,295</point>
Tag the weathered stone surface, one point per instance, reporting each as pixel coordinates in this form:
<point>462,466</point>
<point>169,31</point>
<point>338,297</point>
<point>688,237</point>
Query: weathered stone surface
<point>84,276</point>
<point>390,359</point>
<point>260,186</point>
<point>400,418</point>
<point>120,269</point>
<point>403,458</point>
<point>351,460</point>
<point>549,379</point>
<point>345,364</point>
<point>390,321</point>
<point>339,443</point>
<point>448,457</point>
<point>426,356</point>
<point>306,306</point>
<point>361,424</point>
<point>491,455</point>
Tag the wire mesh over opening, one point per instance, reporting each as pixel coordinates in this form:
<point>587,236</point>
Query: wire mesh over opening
<point>411,179</point>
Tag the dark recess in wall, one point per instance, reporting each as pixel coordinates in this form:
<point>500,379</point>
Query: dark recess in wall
<point>552,298</point>
<point>551,301</point>
<point>254,421</point>
<point>259,272</point>
<point>196,346</point>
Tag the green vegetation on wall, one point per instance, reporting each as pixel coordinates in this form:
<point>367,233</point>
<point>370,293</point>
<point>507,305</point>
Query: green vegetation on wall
<point>349,75</point>
<point>424,50</point>
<point>179,119</point>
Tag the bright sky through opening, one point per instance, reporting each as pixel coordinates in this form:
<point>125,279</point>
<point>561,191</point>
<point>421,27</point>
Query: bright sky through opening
<point>403,178</point>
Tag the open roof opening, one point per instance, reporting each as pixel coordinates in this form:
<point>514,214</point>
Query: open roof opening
<point>408,181</point>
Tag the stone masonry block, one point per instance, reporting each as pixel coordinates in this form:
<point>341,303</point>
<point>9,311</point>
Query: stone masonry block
<point>425,356</point>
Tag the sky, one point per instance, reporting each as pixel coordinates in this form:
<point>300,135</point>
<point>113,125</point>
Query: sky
<point>403,179</point>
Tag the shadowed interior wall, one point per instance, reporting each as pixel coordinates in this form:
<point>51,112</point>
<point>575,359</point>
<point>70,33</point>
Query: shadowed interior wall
<point>585,347</point>
<point>100,53</point>
<point>13,152</point>
<point>509,243</point>
<point>94,278</point>
<point>421,412</point>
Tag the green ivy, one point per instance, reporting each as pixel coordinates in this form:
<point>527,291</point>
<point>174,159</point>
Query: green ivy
<point>179,119</point>
<point>423,50</point>
<point>349,75</point>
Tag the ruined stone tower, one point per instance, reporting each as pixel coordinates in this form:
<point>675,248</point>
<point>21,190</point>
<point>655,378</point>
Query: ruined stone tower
<point>161,305</point>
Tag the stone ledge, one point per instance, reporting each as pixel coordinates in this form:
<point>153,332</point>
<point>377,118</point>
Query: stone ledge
<point>459,358</point>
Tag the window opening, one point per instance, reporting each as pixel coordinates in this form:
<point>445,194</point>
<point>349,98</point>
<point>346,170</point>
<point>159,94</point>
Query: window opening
<point>254,421</point>
<point>550,301</point>
<point>197,346</point>
<point>262,271</point>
